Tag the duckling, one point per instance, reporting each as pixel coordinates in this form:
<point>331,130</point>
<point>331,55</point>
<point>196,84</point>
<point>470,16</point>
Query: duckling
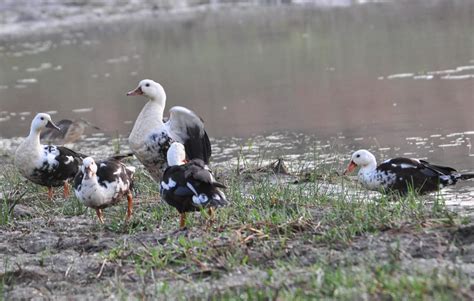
<point>46,165</point>
<point>103,184</point>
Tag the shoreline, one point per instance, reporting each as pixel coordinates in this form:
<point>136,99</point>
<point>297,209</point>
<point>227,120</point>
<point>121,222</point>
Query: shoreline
<point>18,19</point>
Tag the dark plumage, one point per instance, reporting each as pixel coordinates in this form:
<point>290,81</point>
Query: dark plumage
<point>190,186</point>
<point>402,175</point>
<point>60,164</point>
<point>198,146</point>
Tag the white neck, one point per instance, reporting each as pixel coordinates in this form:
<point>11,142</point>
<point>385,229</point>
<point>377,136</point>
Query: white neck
<point>176,154</point>
<point>366,175</point>
<point>92,179</point>
<point>175,159</point>
<point>34,137</point>
<point>368,168</point>
<point>150,118</point>
<point>29,151</point>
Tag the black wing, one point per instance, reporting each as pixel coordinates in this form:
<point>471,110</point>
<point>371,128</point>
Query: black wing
<point>69,152</point>
<point>187,128</point>
<point>198,146</point>
<point>413,174</point>
<point>197,171</point>
<point>443,170</point>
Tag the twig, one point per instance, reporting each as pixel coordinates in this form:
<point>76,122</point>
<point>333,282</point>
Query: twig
<point>68,270</point>
<point>101,269</point>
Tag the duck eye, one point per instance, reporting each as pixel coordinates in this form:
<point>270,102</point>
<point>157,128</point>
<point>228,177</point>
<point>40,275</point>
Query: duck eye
<point>147,85</point>
<point>358,156</point>
<point>42,118</point>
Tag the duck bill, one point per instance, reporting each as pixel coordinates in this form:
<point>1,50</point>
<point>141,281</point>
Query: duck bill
<point>137,91</point>
<point>350,168</point>
<point>51,125</point>
<point>87,173</point>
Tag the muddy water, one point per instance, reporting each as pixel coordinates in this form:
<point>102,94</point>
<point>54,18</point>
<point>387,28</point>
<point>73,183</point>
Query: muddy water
<point>394,77</point>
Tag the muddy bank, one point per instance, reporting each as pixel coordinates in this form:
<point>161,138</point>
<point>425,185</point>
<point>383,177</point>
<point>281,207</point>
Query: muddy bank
<point>49,255</point>
<point>284,236</point>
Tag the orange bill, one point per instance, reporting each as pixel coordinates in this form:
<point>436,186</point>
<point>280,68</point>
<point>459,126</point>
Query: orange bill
<point>350,168</point>
<point>137,91</point>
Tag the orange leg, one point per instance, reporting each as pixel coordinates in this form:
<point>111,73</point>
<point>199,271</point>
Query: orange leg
<point>50,193</point>
<point>210,212</point>
<point>100,215</point>
<point>182,220</point>
<point>66,190</point>
<point>129,207</point>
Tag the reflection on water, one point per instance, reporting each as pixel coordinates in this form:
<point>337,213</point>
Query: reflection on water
<point>365,76</point>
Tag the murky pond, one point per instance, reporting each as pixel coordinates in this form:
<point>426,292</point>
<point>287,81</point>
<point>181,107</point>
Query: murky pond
<point>396,77</point>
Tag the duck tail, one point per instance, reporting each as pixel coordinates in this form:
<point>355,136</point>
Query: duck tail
<point>218,199</point>
<point>466,176</point>
<point>219,185</point>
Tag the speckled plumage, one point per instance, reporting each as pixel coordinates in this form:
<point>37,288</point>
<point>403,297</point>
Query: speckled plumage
<point>102,184</point>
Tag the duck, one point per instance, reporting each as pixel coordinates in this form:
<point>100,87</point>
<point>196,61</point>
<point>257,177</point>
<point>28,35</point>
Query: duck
<point>46,165</point>
<point>101,184</point>
<point>69,131</point>
<point>151,138</point>
<point>189,185</point>
<point>402,175</point>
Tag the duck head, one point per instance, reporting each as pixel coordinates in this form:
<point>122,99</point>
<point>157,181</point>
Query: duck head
<point>362,158</point>
<point>41,121</point>
<point>149,88</point>
<point>176,154</point>
<point>89,168</point>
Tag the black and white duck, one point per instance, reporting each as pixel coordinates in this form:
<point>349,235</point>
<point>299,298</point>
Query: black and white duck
<point>46,165</point>
<point>151,137</point>
<point>402,175</point>
<point>103,184</point>
<point>189,185</point>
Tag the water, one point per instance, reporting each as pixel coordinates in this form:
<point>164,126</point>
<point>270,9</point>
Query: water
<point>395,77</point>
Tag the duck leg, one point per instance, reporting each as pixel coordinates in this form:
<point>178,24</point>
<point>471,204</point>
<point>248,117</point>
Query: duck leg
<point>182,221</point>
<point>210,212</point>
<point>100,215</point>
<point>66,190</point>
<point>50,193</point>
<point>129,207</point>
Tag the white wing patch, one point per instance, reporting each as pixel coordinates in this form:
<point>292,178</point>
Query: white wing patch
<point>404,165</point>
<point>50,157</point>
<point>190,186</point>
<point>200,199</point>
<point>168,185</point>
<point>70,159</point>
